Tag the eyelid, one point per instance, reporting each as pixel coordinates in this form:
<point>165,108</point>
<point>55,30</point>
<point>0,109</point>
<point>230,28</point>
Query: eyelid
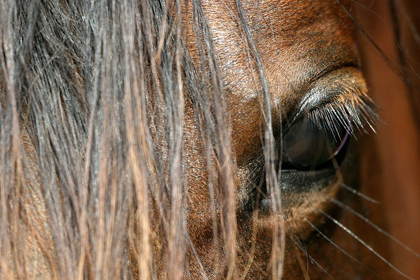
<point>339,95</point>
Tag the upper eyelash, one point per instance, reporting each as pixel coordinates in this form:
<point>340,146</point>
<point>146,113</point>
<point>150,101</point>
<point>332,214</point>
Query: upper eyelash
<point>358,113</point>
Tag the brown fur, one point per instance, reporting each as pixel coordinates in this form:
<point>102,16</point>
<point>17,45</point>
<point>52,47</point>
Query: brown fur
<point>178,206</point>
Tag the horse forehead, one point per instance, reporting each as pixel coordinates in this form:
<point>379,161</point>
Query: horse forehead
<point>292,13</point>
<point>297,40</point>
<point>283,18</point>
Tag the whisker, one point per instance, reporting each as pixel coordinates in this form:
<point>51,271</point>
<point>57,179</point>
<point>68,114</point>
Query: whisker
<point>364,244</point>
<point>341,249</point>
<point>302,243</point>
<point>333,265</point>
<point>299,244</point>
<point>356,192</point>
<point>300,261</point>
<point>384,232</point>
<point>311,259</point>
<point>326,258</point>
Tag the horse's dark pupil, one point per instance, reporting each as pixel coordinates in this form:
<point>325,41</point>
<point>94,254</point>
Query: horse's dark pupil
<point>307,145</point>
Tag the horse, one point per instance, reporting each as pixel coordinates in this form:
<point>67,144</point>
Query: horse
<point>228,139</point>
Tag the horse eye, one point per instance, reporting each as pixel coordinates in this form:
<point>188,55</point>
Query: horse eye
<point>309,146</point>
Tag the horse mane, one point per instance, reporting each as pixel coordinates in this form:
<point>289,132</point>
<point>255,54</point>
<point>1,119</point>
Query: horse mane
<point>79,81</point>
